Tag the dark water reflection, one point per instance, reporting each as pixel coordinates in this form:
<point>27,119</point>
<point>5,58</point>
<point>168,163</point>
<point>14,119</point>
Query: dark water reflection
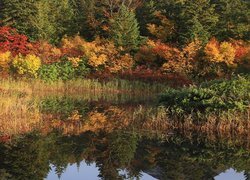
<point>79,139</point>
<point>119,155</point>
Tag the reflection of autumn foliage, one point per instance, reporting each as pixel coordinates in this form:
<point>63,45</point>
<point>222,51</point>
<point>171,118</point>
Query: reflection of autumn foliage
<point>108,119</point>
<point>171,157</point>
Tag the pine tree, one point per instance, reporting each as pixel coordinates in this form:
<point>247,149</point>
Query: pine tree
<point>84,16</point>
<point>145,15</point>
<point>192,19</point>
<point>197,21</point>
<point>234,19</point>
<point>125,30</point>
<point>52,19</point>
<point>42,22</point>
<point>17,13</point>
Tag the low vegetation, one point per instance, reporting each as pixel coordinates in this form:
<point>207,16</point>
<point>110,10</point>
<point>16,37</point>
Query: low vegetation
<point>214,97</point>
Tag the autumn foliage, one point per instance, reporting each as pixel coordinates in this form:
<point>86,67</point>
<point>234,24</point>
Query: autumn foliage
<point>154,60</point>
<point>14,42</point>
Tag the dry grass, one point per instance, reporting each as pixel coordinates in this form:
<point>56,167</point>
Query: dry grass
<point>17,114</point>
<point>82,86</point>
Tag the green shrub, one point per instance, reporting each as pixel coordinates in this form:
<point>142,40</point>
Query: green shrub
<point>82,69</point>
<point>214,96</point>
<point>49,73</point>
<point>66,71</point>
<point>63,71</point>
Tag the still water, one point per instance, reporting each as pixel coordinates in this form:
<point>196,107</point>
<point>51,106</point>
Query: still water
<point>84,139</point>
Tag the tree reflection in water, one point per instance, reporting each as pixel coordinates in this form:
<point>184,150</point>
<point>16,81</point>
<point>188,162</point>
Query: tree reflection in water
<point>178,157</point>
<point>116,138</point>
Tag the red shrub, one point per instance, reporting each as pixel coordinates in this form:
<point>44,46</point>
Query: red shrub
<point>241,49</point>
<point>11,40</point>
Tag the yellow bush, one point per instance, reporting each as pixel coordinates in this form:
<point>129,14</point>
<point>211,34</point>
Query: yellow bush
<point>75,61</point>
<point>5,59</point>
<point>228,53</point>
<point>27,64</point>
<point>212,51</point>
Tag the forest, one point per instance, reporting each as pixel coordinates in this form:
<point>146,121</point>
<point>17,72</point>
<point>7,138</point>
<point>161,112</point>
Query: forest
<point>154,40</point>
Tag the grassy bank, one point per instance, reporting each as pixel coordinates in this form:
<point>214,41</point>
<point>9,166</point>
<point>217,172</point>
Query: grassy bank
<point>17,114</point>
<point>222,105</point>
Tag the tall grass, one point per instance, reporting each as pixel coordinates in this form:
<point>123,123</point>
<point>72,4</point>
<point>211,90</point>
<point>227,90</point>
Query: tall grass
<point>17,114</point>
<point>83,85</point>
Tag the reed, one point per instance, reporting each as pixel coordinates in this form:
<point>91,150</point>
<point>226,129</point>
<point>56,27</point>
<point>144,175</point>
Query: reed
<point>17,114</point>
<point>81,86</point>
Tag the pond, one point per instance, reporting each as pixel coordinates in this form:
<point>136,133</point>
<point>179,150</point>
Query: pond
<point>113,138</point>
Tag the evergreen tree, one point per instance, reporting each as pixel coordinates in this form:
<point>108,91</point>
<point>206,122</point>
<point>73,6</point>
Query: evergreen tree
<point>125,31</point>
<point>84,16</point>
<point>41,19</point>
<point>192,19</point>
<point>234,19</point>
<point>42,22</point>
<point>52,19</point>
<point>145,15</point>
<point>17,13</point>
<point>198,20</point>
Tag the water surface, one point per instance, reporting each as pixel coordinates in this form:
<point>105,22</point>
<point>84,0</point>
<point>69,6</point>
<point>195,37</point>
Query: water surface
<point>80,138</point>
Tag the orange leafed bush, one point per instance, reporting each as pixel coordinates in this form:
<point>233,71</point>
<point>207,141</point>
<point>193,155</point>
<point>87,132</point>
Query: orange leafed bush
<point>220,52</point>
<point>158,54</point>
<point>100,53</point>
<point>72,46</point>
<point>48,53</point>
<point>162,31</point>
<point>242,51</point>
<point>122,63</point>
